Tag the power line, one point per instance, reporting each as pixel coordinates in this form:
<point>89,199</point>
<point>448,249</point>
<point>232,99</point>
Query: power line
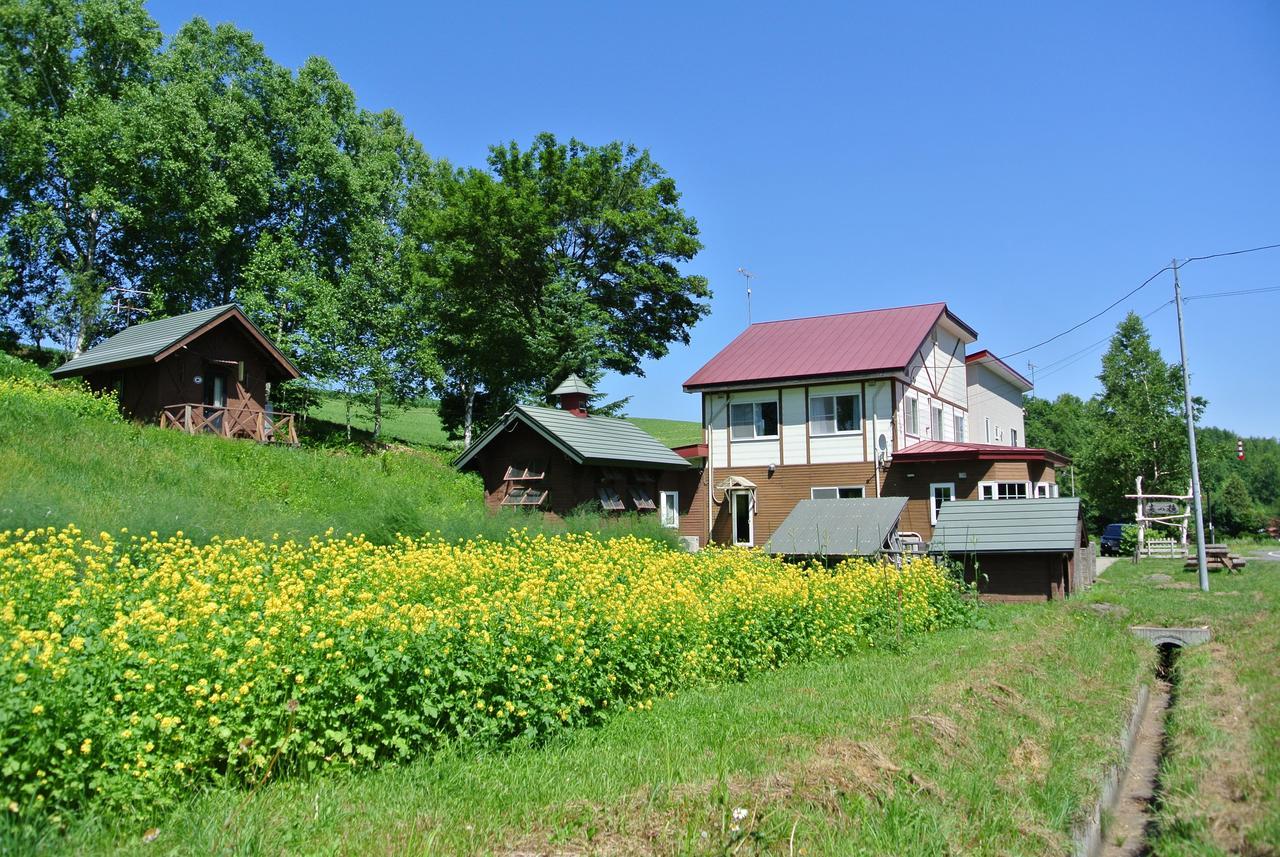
<point>1228,253</point>
<point>1232,294</point>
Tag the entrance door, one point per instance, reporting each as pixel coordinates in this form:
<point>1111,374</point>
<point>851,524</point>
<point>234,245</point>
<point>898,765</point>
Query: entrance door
<point>215,389</point>
<point>743,526</point>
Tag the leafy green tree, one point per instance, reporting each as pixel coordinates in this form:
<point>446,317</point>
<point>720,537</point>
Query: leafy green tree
<point>1063,425</point>
<point>1233,509</point>
<point>1140,428</point>
<point>74,78</point>
<point>566,259</point>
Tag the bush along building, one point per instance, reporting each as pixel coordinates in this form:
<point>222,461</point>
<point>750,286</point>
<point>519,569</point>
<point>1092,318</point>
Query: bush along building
<point>882,403</point>
<point>557,460</point>
<point>208,371</point>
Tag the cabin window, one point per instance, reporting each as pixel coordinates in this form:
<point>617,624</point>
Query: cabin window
<point>669,501</point>
<point>835,414</point>
<point>612,474</point>
<point>935,423</point>
<point>525,470</point>
<point>1004,490</point>
<point>521,496</point>
<point>958,425</point>
<point>939,493</point>
<point>641,499</point>
<point>610,501</point>
<point>913,416</point>
<point>840,492</point>
<point>752,420</point>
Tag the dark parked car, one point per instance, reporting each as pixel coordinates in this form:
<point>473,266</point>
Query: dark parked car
<point>1110,541</point>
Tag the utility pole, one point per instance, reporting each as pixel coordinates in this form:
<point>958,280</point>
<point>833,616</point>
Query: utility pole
<point>744,272</point>
<point>1191,436</point>
<point>1032,367</point>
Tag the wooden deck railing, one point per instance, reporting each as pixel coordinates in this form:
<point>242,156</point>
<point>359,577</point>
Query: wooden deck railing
<point>230,422</point>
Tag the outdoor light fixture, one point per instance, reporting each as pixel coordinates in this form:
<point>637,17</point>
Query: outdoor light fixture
<point>772,468</point>
<point>961,475</point>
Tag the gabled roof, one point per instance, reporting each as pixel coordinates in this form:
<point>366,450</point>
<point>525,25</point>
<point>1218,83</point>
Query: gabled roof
<point>1009,526</point>
<point>573,384</point>
<point>153,341</point>
<point>943,450</point>
<point>853,343</point>
<point>998,366</point>
<point>845,527</point>
<point>585,440</point>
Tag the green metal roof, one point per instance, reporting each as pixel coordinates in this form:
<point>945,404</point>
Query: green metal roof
<point>573,384</point>
<point>1010,526</point>
<point>586,440</point>
<point>141,342</point>
<point>852,526</point>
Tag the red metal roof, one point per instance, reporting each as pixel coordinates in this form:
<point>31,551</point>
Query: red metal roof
<point>986,358</point>
<point>827,345</point>
<point>940,450</point>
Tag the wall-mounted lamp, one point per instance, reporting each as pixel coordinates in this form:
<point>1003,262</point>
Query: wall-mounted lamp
<point>772,469</point>
<point>911,476</point>
<point>961,475</point>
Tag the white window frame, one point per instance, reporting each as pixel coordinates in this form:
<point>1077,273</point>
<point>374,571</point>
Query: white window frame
<point>935,421</point>
<point>1013,437</point>
<point>862,491</point>
<point>1049,489</point>
<point>988,422</point>
<point>933,498</point>
<point>857,414</point>
<point>755,420</point>
<point>993,489</point>
<point>957,426</point>
<point>751,517</point>
<point>672,498</point>
<point>911,419</point>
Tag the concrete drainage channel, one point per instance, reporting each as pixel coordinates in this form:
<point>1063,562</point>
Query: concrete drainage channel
<point>1130,790</point>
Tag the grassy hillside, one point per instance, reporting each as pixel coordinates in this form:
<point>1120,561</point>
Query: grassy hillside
<point>68,458</point>
<point>420,425</point>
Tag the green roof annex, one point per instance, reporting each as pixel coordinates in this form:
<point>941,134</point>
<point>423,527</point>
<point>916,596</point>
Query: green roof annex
<point>1043,524</point>
<point>584,440</point>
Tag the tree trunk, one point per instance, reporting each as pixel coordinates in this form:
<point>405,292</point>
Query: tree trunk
<point>468,414</point>
<point>348,416</point>
<point>377,415</point>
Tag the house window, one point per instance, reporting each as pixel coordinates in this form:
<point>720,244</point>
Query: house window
<point>523,471</point>
<point>1013,437</point>
<point>958,426</point>
<point>1046,489</point>
<point>841,492</point>
<point>835,414</point>
<point>1004,490</point>
<point>913,416</point>
<point>521,496</point>
<point>940,492</point>
<point>669,502</point>
<point>935,423</point>
<point>640,497</point>
<point>751,420</point>
<point>988,422</point>
<point>609,499</point>
<point>744,528</point>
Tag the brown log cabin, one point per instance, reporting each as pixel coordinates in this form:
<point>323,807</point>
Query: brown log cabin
<point>204,372</point>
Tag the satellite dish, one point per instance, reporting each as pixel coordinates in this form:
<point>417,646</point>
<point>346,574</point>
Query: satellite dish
<point>883,443</point>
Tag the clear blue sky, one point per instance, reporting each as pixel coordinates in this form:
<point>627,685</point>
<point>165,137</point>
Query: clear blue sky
<point>1027,165</point>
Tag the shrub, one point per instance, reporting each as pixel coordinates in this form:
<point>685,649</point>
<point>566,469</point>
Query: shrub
<point>1129,540</point>
<point>137,668</point>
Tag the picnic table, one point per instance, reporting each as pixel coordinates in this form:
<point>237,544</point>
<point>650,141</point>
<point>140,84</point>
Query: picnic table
<point>1218,558</point>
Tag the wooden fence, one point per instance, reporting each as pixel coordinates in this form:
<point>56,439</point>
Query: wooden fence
<point>230,422</point>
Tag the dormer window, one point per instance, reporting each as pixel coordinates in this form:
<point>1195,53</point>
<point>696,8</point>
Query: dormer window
<point>753,420</point>
<point>835,414</point>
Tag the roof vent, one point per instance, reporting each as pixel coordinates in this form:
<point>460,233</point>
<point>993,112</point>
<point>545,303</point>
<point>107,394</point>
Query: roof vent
<point>574,393</point>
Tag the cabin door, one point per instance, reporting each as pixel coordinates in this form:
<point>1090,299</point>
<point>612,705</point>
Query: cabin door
<point>744,529</point>
<point>215,388</point>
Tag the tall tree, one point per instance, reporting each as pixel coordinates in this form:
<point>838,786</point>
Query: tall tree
<point>1063,425</point>
<point>1140,430</point>
<point>74,76</point>
<point>567,259</point>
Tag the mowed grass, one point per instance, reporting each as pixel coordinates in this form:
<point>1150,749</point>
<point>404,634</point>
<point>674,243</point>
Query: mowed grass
<point>419,425</point>
<point>1221,774</point>
<point>973,741</point>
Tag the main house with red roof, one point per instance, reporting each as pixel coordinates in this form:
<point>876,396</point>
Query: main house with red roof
<point>879,403</point>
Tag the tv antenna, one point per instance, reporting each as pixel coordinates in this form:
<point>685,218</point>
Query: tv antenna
<point>748,275</point>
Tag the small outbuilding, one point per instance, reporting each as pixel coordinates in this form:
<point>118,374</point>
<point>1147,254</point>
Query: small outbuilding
<point>208,371</point>
<point>839,528</point>
<point>557,460</point>
<point>1017,550</point>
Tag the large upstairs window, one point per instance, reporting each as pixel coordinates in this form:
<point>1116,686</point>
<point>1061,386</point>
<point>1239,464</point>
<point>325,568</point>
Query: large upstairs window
<point>839,414</point>
<point>753,420</point>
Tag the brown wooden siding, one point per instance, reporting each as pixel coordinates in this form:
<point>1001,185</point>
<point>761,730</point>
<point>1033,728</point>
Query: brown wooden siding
<point>1021,576</point>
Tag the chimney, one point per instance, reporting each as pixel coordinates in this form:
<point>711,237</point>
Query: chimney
<point>573,393</point>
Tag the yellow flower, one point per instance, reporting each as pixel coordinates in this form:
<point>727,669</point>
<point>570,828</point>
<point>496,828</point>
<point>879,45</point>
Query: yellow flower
<point>86,746</point>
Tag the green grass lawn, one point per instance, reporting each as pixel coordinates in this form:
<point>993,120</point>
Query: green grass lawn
<point>976,741</point>
<point>1221,775</point>
<point>670,432</point>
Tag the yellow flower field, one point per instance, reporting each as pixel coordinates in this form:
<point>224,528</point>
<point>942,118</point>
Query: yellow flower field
<point>135,668</point>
